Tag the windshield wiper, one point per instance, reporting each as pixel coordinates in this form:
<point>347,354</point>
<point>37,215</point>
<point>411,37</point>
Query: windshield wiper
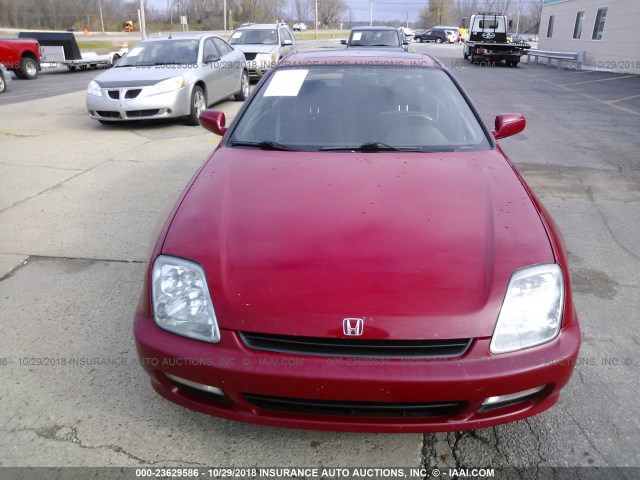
<point>264,145</point>
<point>373,147</point>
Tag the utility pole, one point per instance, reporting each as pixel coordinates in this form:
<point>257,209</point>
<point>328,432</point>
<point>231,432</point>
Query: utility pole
<point>371,15</point>
<point>407,7</point>
<point>143,22</point>
<point>316,19</point>
<point>101,18</point>
<point>224,9</point>
<point>518,20</point>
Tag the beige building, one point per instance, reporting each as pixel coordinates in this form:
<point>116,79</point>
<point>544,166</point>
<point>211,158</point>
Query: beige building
<point>606,30</point>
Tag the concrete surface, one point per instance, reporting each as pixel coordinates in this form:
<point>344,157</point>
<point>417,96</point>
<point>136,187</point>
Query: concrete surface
<point>78,206</point>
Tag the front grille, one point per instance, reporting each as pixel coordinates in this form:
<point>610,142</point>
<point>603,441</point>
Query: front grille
<point>250,56</point>
<point>355,409</point>
<point>142,113</point>
<point>106,114</point>
<point>342,347</point>
<point>132,93</point>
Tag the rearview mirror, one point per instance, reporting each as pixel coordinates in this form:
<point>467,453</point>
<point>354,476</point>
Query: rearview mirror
<point>508,124</point>
<point>343,42</point>
<point>214,121</point>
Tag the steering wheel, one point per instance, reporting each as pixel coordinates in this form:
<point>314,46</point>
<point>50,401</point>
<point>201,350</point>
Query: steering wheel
<point>410,117</point>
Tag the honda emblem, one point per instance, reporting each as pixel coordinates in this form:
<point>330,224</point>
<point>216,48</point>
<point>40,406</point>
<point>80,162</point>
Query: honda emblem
<point>352,326</point>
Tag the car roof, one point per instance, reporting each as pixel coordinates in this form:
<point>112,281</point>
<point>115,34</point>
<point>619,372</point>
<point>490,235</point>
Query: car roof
<point>374,28</point>
<point>361,56</point>
<point>181,36</point>
<point>261,26</point>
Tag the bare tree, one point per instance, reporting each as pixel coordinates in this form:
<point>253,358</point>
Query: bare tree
<point>330,12</point>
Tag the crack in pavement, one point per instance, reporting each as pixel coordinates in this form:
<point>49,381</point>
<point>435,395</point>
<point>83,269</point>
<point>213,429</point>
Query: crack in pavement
<point>69,434</point>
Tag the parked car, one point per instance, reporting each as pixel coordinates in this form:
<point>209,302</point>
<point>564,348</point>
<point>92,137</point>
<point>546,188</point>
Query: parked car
<point>359,254</point>
<point>450,28</point>
<point>21,56</point>
<point>299,27</point>
<point>532,38</point>
<point>263,45</point>
<point>169,77</point>
<point>376,37</point>
<point>5,78</point>
<point>438,36</point>
<point>517,38</point>
<point>72,29</point>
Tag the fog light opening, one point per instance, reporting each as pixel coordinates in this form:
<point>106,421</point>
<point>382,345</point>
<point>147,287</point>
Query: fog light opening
<point>195,385</point>
<point>511,399</point>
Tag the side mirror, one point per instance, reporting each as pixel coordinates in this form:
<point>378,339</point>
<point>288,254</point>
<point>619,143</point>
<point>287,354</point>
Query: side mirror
<point>286,42</point>
<point>510,25</point>
<point>405,42</point>
<point>214,121</point>
<point>343,42</point>
<point>508,124</point>
<point>465,20</point>
<point>211,58</point>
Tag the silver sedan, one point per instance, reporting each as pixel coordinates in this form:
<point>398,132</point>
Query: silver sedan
<point>170,77</point>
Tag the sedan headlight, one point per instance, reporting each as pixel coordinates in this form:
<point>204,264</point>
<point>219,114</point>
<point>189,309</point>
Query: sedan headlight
<point>531,312</point>
<point>181,300</point>
<point>94,89</point>
<point>168,85</point>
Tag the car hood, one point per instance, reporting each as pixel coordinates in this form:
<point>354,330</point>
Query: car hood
<point>421,246</point>
<point>141,76</point>
<point>255,48</point>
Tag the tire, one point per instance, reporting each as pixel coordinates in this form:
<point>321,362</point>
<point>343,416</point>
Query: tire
<point>197,104</point>
<point>242,95</point>
<point>71,67</point>
<point>419,40</point>
<point>3,85</point>
<point>17,73</point>
<point>513,63</point>
<point>465,54</point>
<point>472,57</point>
<point>438,40</point>
<point>28,68</point>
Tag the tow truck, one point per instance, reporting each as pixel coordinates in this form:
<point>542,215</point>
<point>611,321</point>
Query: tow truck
<point>487,40</point>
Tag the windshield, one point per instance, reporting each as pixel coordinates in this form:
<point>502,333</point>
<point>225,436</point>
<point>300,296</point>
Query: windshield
<point>347,107</point>
<point>256,36</point>
<point>374,38</point>
<point>168,52</point>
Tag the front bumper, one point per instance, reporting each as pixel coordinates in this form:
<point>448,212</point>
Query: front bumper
<point>164,105</point>
<point>243,375</point>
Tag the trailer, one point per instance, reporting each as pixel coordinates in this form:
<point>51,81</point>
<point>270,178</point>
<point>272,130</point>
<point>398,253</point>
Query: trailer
<point>61,49</point>
<point>486,39</point>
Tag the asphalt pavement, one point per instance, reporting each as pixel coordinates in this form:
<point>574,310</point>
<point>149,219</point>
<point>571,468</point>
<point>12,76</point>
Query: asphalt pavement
<point>79,204</point>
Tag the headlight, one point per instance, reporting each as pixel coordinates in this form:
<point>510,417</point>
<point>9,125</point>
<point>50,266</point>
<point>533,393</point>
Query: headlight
<point>531,312</point>
<point>266,57</point>
<point>165,86</point>
<point>94,89</point>
<point>181,300</point>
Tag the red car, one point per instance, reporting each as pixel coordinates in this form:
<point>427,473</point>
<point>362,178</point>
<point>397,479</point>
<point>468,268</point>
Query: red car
<point>359,254</point>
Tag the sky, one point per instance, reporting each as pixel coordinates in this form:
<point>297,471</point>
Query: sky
<point>382,9</point>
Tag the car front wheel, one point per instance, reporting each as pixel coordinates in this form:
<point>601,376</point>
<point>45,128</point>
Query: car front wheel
<point>419,40</point>
<point>198,104</point>
<point>438,40</point>
<point>3,86</point>
<point>242,95</point>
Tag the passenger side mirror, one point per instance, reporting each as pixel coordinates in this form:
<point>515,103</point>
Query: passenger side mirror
<point>343,42</point>
<point>286,42</point>
<point>508,124</point>
<point>214,121</point>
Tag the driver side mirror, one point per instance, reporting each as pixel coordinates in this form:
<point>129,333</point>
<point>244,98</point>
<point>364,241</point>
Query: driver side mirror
<point>508,124</point>
<point>211,58</point>
<point>343,42</point>
<point>286,42</point>
<point>214,121</point>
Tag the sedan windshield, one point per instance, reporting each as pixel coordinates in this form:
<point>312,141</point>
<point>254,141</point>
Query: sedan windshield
<point>257,36</point>
<point>359,108</point>
<point>168,52</point>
